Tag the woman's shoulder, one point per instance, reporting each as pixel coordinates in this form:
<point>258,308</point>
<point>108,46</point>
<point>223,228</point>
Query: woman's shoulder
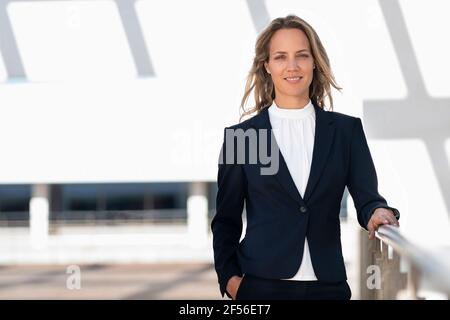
<point>344,123</point>
<point>342,119</point>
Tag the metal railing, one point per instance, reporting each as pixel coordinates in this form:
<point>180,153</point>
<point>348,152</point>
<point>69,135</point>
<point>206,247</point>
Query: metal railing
<point>103,217</point>
<point>392,267</point>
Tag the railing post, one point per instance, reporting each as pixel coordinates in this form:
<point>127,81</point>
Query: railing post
<point>39,215</point>
<point>367,253</point>
<point>409,291</point>
<point>197,214</point>
<point>378,256</point>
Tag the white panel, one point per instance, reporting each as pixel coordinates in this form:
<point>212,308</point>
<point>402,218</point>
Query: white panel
<point>428,26</point>
<point>3,74</point>
<point>202,51</point>
<point>64,40</point>
<point>166,128</point>
<point>135,130</point>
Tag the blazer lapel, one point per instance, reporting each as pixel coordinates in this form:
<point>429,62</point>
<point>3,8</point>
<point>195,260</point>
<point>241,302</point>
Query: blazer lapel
<point>324,133</point>
<point>323,139</point>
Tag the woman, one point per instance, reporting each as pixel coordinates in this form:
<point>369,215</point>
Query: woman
<point>292,248</point>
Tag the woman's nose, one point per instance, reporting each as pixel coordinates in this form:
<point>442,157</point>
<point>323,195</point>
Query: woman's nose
<point>292,64</point>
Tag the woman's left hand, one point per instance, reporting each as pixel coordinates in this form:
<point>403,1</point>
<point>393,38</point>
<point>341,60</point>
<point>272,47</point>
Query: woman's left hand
<point>379,217</point>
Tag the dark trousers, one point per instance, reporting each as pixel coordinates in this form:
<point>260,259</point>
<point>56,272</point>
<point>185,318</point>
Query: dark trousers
<point>255,288</point>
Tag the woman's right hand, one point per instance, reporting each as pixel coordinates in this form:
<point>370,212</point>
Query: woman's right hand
<point>233,286</point>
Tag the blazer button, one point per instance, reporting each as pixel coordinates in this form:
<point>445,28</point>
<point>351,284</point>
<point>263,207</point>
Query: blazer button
<point>303,209</point>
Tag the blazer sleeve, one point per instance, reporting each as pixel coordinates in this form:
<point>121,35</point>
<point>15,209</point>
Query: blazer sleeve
<point>362,180</point>
<point>226,225</point>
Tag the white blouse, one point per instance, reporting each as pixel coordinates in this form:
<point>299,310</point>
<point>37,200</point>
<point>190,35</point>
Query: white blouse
<point>294,131</point>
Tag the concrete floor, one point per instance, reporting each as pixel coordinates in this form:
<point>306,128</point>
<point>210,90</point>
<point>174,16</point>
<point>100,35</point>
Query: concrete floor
<point>158,280</point>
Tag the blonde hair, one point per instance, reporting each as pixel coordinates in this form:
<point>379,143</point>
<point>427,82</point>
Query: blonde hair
<point>261,82</point>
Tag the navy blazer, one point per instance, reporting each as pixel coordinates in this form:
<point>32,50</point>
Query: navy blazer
<point>278,218</point>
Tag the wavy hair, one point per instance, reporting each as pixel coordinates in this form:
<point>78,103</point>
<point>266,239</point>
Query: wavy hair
<point>260,81</point>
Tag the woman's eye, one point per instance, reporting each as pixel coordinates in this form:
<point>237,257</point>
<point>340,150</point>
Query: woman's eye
<point>298,56</point>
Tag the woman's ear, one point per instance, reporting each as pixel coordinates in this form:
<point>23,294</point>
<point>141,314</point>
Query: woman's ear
<point>267,69</point>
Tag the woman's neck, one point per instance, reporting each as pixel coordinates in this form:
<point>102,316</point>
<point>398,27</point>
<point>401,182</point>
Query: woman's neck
<point>292,103</point>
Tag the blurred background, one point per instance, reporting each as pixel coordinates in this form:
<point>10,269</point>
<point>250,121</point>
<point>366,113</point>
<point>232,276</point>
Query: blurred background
<point>111,121</point>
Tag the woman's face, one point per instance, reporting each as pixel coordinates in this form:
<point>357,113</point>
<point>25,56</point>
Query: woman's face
<point>290,65</point>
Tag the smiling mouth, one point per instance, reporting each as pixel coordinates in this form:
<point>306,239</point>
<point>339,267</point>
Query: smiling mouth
<point>293,79</point>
